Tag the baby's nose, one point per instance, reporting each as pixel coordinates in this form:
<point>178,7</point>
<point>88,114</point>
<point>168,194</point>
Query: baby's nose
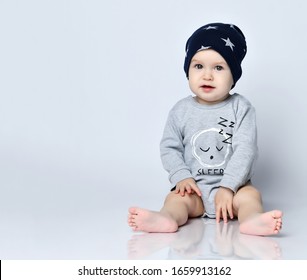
<point>207,76</point>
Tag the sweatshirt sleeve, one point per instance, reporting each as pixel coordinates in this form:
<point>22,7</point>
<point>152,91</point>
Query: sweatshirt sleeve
<point>172,151</point>
<point>240,167</point>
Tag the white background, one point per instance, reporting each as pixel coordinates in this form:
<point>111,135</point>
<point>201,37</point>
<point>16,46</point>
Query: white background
<point>85,89</point>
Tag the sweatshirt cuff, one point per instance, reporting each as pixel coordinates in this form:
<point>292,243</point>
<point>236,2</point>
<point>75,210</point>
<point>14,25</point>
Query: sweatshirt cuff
<point>179,176</point>
<point>229,184</point>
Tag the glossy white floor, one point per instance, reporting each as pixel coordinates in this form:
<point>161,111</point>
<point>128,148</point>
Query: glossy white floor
<point>98,237</point>
<point>53,219</point>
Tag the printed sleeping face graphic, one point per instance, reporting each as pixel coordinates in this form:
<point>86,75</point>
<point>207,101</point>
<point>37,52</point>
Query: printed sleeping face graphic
<point>208,147</point>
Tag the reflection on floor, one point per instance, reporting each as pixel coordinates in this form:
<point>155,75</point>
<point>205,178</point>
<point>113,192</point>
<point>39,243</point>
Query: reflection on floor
<point>205,239</point>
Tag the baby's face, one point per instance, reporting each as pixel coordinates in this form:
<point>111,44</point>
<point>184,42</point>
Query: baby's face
<point>210,78</point>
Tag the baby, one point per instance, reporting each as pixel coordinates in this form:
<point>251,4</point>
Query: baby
<point>209,145</point>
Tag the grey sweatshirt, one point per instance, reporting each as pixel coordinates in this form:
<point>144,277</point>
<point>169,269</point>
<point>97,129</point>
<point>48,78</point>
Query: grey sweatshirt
<point>214,144</point>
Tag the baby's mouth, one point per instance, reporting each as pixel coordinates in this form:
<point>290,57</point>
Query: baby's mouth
<point>207,87</point>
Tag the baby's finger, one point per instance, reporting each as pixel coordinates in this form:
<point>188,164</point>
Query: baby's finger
<point>182,191</point>
<point>188,189</point>
<point>218,215</point>
<point>196,189</point>
<point>230,212</point>
<point>224,212</point>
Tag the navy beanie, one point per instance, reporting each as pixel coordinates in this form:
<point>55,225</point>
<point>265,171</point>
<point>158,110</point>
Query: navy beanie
<point>227,39</point>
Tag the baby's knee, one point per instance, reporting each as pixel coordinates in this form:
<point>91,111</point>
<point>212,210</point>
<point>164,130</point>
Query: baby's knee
<point>247,192</point>
<point>171,197</point>
<point>253,192</point>
<point>177,197</point>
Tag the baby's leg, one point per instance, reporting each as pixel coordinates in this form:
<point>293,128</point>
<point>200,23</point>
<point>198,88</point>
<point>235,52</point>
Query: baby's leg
<point>248,207</point>
<point>175,212</point>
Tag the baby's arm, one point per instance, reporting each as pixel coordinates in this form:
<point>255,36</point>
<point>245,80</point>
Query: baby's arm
<point>172,151</point>
<point>240,166</point>
<point>244,144</point>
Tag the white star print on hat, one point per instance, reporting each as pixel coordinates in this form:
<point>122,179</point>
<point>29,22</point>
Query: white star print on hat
<point>228,43</point>
<point>211,27</point>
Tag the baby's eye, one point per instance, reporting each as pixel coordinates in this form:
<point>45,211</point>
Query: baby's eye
<point>198,66</point>
<point>219,149</point>
<point>219,68</point>
<point>205,150</point>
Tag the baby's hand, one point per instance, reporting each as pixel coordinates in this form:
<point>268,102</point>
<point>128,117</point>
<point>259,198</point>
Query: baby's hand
<point>223,204</point>
<point>187,185</point>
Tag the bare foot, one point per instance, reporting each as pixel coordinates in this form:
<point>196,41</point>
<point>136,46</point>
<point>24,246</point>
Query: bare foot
<point>268,223</point>
<point>150,221</point>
